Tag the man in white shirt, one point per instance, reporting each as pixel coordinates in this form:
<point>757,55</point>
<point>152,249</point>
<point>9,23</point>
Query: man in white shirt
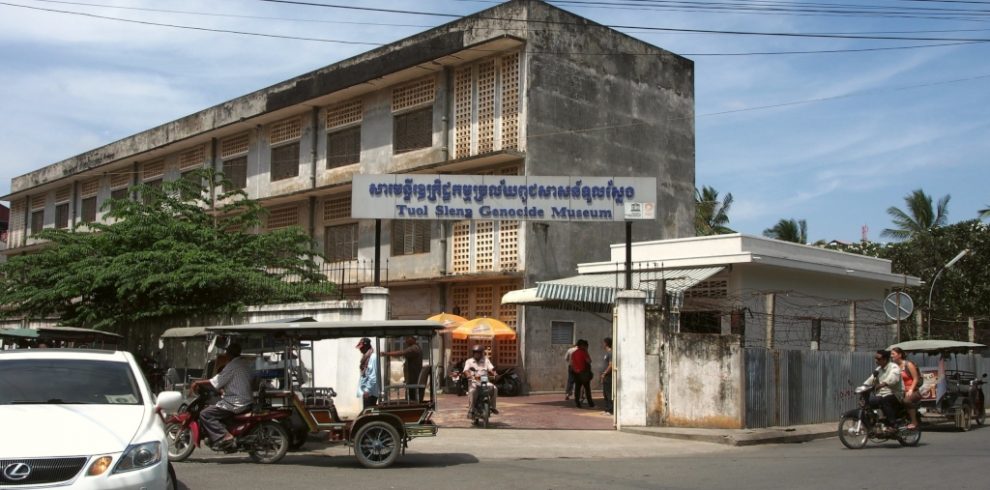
<point>473,369</point>
<point>234,381</point>
<point>889,387</point>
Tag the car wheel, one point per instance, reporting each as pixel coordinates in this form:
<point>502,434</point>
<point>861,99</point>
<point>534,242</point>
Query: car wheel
<point>377,444</point>
<point>180,443</point>
<point>271,442</point>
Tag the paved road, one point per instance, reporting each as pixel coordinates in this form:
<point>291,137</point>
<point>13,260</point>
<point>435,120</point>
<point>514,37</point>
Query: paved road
<point>946,459</point>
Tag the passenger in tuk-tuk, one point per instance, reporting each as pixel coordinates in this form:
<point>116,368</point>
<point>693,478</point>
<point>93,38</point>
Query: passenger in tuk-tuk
<point>368,384</point>
<point>235,382</point>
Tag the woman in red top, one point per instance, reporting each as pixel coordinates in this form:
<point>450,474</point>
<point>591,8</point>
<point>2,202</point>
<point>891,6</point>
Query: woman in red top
<point>912,383</point>
<point>581,366</point>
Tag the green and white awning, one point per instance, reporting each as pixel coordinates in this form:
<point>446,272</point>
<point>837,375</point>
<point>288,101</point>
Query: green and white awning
<point>597,292</point>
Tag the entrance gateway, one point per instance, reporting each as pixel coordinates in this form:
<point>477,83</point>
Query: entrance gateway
<point>506,198</point>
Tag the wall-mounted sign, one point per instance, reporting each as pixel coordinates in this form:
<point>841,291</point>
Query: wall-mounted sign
<point>503,197</point>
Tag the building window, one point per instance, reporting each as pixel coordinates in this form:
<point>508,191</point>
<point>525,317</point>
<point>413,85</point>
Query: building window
<point>62,215</point>
<point>341,242</point>
<point>410,237</point>
<point>562,333</point>
<point>37,221</point>
<point>344,147</point>
<point>235,170</point>
<point>701,322</point>
<point>285,162</point>
<point>154,184</point>
<point>413,130</point>
<point>120,194</point>
<point>89,209</point>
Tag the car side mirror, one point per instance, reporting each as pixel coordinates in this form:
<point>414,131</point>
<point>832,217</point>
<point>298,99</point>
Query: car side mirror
<point>168,401</point>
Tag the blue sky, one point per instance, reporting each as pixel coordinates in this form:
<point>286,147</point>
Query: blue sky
<point>852,133</point>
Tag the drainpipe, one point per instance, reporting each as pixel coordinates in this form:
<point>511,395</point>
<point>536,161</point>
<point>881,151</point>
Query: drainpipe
<point>312,177</point>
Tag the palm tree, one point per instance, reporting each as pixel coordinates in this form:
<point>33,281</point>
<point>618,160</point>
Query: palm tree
<point>920,218</point>
<point>789,230</point>
<point>710,215</point>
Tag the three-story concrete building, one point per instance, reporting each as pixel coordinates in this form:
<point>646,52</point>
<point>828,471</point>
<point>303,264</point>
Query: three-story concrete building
<point>523,88</point>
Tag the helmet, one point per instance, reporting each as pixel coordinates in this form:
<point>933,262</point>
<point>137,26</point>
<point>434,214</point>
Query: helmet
<point>477,348</point>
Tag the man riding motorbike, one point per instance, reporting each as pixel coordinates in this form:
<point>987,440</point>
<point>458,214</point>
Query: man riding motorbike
<point>473,369</point>
<point>235,383</point>
<point>889,387</point>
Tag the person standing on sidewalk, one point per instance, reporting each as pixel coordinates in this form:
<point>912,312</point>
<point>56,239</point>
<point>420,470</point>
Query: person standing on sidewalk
<point>607,375</point>
<point>368,384</point>
<point>413,355</point>
<point>569,389</point>
<point>581,365</point>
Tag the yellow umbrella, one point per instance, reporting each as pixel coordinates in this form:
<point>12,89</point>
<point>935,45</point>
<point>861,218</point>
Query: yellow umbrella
<point>483,328</point>
<point>448,320</point>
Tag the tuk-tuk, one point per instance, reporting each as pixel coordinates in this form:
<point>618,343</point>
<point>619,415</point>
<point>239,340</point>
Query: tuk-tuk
<point>184,350</point>
<point>948,394</point>
<point>378,434</point>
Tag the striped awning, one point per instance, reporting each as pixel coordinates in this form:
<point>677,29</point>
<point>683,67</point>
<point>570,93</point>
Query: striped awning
<point>601,289</point>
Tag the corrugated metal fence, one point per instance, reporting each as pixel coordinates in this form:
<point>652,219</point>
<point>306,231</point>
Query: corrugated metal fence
<point>792,387</point>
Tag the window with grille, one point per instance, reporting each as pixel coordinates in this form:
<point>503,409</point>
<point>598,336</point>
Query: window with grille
<point>195,157</point>
<point>484,246</point>
<point>410,237</point>
<point>120,194</point>
<point>122,178</point>
<point>154,184</point>
<point>341,242</point>
<point>562,333</point>
<point>283,218</point>
<point>285,162</point>
<point>234,146</point>
<point>337,208</point>
<point>412,130</point>
<point>153,170</point>
<point>62,216</point>
<point>344,147</point>
<point>88,214</point>
<point>486,106</point>
<point>37,221</point>
<point>235,171</point>
<point>708,289</point>
<point>89,188</point>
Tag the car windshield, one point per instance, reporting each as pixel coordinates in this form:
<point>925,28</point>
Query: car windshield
<point>67,381</point>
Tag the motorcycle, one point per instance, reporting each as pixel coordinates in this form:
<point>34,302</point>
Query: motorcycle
<point>458,380</point>
<point>508,382</point>
<point>482,408</point>
<point>260,433</point>
<point>866,423</point>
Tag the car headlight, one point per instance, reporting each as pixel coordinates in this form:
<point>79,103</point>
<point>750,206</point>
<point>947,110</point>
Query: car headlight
<point>139,456</point>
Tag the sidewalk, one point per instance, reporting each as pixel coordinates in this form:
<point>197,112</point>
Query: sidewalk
<point>741,437</point>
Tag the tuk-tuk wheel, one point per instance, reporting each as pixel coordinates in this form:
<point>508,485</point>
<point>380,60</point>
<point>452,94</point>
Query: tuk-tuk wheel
<point>964,418</point>
<point>980,410</point>
<point>377,444</point>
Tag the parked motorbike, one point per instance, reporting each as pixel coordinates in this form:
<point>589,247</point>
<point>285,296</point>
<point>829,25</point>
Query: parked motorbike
<point>866,423</point>
<point>260,433</point>
<point>458,381</point>
<point>508,382</point>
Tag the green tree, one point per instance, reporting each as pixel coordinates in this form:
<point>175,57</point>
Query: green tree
<point>984,213</point>
<point>789,230</point>
<point>919,219</point>
<point>179,251</point>
<point>711,216</point>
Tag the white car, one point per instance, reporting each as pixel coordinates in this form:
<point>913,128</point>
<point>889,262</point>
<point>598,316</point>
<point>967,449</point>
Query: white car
<point>81,419</point>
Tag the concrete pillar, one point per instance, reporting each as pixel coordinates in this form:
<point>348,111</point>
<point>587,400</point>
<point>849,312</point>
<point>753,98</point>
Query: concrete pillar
<point>630,359</point>
<point>919,326</point>
<point>374,303</point>
<point>971,323</point>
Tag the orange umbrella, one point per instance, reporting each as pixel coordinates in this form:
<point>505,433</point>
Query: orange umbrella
<point>483,328</point>
<point>448,320</point>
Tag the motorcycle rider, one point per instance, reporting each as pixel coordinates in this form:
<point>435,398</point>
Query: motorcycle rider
<point>235,382</point>
<point>889,387</point>
<point>473,368</point>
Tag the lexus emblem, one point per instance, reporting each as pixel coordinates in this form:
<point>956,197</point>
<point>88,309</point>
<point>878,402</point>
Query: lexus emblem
<point>17,471</point>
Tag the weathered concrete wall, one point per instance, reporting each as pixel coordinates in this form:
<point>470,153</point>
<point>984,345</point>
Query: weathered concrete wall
<point>589,114</point>
<point>800,297</point>
<point>703,381</point>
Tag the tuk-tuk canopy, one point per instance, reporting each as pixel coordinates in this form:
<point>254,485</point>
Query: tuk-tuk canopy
<point>947,346</point>
<point>20,333</point>
<point>333,330</point>
<point>77,334</point>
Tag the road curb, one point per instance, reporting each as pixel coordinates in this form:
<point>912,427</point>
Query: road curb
<point>734,438</point>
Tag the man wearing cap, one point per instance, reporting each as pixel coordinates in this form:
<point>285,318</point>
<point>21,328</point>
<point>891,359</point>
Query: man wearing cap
<point>473,368</point>
<point>368,384</point>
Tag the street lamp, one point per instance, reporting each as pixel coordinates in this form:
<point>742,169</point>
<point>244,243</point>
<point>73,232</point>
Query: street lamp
<point>952,262</point>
